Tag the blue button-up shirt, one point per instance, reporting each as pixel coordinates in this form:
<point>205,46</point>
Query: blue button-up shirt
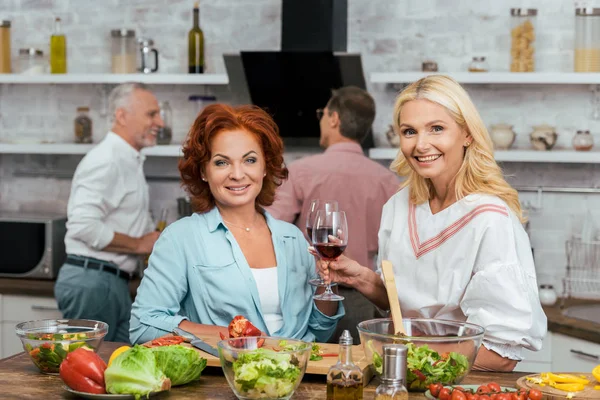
<point>197,271</point>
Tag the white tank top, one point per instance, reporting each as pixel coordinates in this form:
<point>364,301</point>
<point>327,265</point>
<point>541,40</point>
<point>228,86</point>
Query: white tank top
<point>268,291</point>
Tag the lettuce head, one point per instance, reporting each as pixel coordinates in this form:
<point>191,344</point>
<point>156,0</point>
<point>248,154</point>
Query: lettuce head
<point>180,364</point>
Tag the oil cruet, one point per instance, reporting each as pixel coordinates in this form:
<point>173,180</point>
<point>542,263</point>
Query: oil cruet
<point>345,379</point>
<point>393,377</point>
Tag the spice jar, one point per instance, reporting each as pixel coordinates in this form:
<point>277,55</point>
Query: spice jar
<point>345,379</point>
<point>587,40</point>
<point>522,50</point>
<point>429,66</point>
<point>478,64</point>
<point>201,101</point>
<point>83,126</point>
<point>583,141</point>
<point>393,377</point>
<point>124,51</point>
<point>31,61</point>
<point>5,47</point>
<point>165,134</point>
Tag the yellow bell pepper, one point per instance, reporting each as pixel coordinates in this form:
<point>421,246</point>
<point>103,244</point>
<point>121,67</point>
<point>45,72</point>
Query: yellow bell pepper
<point>596,372</point>
<point>570,387</point>
<point>567,378</point>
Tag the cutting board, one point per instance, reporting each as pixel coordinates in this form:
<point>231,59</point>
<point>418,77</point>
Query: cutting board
<point>320,367</point>
<point>551,393</point>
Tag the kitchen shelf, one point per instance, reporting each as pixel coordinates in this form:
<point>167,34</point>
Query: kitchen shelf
<point>549,78</point>
<point>552,156</point>
<point>173,150</point>
<point>153,79</point>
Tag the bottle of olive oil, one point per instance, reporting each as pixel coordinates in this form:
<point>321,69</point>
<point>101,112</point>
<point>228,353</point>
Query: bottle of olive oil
<point>196,44</point>
<point>58,50</point>
<point>345,379</point>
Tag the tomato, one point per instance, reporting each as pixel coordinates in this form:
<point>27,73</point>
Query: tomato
<point>494,387</point>
<point>535,394</point>
<point>445,394</point>
<point>484,397</point>
<point>483,389</point>
<point>462,389</point>
<point>493,396</point>
<point>470,396</point>
<point>83,370</point>
<point>458,395</point>
<point>435,388</point>
<point>514,396</point>
<point>167,341</point>
<point>502,396</point>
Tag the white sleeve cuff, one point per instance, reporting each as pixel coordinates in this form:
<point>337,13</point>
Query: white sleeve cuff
<point>505,350</point>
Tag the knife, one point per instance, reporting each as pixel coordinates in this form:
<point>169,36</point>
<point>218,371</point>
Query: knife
<point>196,341</point>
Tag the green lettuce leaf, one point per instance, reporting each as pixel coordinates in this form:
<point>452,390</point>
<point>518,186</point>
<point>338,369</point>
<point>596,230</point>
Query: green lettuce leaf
<point>135,372</point>
<point>180,364</point>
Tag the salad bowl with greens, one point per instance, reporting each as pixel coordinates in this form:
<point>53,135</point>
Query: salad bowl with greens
<point>264,367</point>
<point>438,350</point>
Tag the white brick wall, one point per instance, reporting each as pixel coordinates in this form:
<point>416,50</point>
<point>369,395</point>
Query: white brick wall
<point>392,35</point>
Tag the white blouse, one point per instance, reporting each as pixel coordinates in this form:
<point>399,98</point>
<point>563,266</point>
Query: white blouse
<point>471,262</point>
<point>268,292</point>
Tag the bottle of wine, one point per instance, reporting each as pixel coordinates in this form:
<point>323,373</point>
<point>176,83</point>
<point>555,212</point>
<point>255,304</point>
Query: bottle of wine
<point>58,50</point>
<point>196,44</point>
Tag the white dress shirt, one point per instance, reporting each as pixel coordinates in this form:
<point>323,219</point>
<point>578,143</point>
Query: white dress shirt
<point>470,262</point>
<point>109,194</point>
<point>268,292</point>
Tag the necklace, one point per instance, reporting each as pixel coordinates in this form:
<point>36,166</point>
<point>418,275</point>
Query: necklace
<point>246,228</point>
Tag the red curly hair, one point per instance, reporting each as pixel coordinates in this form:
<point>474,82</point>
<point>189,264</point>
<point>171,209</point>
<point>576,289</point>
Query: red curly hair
<point>196,151</point>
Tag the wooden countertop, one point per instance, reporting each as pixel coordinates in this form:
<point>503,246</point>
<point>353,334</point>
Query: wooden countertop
<point>20,379</point>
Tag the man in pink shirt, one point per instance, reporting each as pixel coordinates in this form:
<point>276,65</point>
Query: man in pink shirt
<point>360,185</point>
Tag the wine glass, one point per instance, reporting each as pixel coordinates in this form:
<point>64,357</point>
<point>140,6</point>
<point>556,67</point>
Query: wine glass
<point>330,238</point>
<point>314,206</point>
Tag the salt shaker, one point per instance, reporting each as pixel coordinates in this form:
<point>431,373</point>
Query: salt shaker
<point>393,377</point>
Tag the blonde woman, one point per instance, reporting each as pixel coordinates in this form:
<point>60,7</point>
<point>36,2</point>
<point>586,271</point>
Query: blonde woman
<point>453,232</point>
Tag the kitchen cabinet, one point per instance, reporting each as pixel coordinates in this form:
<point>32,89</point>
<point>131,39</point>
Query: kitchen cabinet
<point>574,355</point>
<point>15,309</point>
<point>538,361</point>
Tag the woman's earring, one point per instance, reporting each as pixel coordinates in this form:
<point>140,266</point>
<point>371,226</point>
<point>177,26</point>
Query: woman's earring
<point>265,174</point>
<point>467,144</point>
<point>204,179</point>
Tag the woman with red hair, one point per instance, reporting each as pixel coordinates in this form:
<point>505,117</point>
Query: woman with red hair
<point>231,257</point>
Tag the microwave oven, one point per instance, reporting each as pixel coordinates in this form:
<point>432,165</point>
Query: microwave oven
<point>32,245</point>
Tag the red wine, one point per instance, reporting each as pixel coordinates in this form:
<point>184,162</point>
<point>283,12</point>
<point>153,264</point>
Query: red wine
<point>329,251</point>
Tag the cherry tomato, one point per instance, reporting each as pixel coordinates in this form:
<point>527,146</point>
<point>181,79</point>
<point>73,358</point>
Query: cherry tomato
<point>535,394</point>
<point>462,389</point>
<point>470,396</point>
<point>458,395</point>
<point>484,397</point>
<point>476,397</point>
<point>494,387</point>
<point>435,388</point>
<point>483,389</point>
<point>514,396</point>
<point>445,394</point>
<point>493,396</point>
<point>502,396</point>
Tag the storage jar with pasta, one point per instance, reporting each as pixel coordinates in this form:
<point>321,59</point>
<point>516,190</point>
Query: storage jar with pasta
<point>522,49</point>
<point>587,40</point>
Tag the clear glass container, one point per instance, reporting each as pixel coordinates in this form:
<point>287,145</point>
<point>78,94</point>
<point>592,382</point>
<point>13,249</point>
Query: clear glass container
<point>165,134</point>
<point>479,64</point>
<point>345,379</point>
<point>522,48</point>
<point>5,67</point>
<point>32,61</point>
<point>83,126</point>
<point>393,377</point>
<point>201,101</point>
<point>583,141</point>
<point>587,40</point>
<point>124,51</point>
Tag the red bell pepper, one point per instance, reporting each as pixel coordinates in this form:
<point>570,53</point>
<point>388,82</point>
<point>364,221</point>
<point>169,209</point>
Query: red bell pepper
<point>83,370</point>
<point>241,327</point>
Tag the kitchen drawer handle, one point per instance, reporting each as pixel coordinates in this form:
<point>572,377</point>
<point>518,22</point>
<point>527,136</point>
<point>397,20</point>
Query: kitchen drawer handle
<point>584,354</point>
<point>44,308</point>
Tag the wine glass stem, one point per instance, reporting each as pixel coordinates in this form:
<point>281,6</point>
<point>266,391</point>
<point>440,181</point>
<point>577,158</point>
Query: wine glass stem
<point>328,289</point>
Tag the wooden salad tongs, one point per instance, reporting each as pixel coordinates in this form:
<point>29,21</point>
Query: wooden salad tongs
<point>392,292</point>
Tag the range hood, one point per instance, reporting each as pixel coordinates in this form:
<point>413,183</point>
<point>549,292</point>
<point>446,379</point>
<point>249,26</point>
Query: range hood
<point>292,83</point>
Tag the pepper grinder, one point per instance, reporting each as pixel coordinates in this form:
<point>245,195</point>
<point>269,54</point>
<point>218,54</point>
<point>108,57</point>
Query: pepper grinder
<point>345,379</point>
<point>393,377</point>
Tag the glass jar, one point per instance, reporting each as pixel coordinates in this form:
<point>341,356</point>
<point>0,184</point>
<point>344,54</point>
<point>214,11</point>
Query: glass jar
<point>32,61</point>
<point>478,64</point>
<point>5,48</point>
<point>587,40</point>
<point>429,66</point>
<point>124,51</point>
<point>165,134</point>
<point>200,102</point>
<point>583,141</point>
<point>522,50</point>
<point>83,126</point>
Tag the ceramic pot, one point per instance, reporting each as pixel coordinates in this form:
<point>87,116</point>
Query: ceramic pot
<point>502,136</point>
<point>543,137</point>
<point>547,295</point>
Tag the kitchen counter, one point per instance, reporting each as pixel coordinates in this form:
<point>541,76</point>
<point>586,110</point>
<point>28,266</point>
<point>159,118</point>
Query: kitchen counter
<point>42,287</point>
<point>574,327</point>
<point>20,379</point>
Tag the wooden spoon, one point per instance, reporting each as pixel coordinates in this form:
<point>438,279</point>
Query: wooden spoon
<point>392,292</point>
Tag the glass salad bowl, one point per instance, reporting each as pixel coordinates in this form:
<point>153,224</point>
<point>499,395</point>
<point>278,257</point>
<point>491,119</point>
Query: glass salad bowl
<point>438,350</point>
<point>263,367</point>
<point>48,341</point>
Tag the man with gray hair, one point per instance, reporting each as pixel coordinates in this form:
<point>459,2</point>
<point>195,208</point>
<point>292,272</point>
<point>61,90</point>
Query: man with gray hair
<point>109,225</point>
<point>360,185</point>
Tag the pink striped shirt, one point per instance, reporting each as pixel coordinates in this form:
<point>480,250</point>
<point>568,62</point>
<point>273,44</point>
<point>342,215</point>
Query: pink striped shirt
<point>343,173</point>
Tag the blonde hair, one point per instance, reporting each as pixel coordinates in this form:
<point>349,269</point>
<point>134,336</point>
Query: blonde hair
<point>479,172</point>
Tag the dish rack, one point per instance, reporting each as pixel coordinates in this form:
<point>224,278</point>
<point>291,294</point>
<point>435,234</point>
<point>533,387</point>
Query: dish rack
<point>582,278</point>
